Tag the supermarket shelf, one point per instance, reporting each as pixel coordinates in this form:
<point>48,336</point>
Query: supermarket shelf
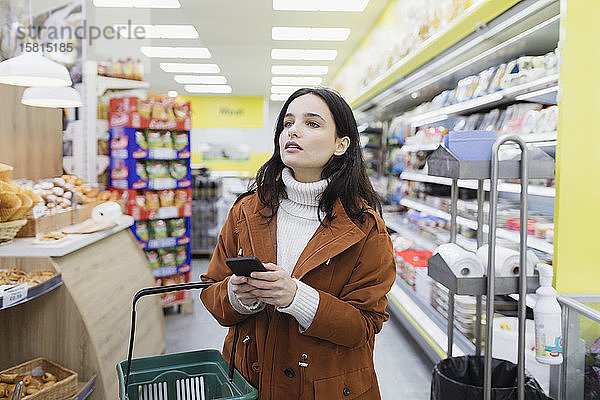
<point>408,148</point>
<point>85,389</point>
<point>513,236</point>
<point>508,95</point>
<point>471,184</point>
<point>425,324</point>
<point>105,83</point>
<point>392,221</point>
<point>24,247</point>
<point>510,29</point>
<point>36,291</point>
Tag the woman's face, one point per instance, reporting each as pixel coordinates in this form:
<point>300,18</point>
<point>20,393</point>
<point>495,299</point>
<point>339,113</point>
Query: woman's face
<point>308,140</point>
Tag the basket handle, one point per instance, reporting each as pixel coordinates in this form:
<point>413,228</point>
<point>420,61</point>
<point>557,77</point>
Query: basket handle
<point>149,291</point>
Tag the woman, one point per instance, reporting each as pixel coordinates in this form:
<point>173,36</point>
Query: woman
<point>306,326</point>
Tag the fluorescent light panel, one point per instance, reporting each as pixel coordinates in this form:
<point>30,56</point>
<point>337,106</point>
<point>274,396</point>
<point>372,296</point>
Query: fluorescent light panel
<point>302,54</point>
<point>157,31</point>
<point>320,5</point>
<point>182,68</point>
<point>201,79</point>
<point>285,89</point>
<point>279,97</point>
<point>299,69</point>
<point>207,88</point>
<point>172,93</point>
<point>293,33</point>
<point>138,3</point>
<point>296,80</point>
<point>175,52</point>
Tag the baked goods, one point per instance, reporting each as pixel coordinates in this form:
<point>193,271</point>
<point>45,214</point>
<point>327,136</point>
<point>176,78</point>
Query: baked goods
<point>16,276</point>
<point>31,384</point>
<point>52,236</point>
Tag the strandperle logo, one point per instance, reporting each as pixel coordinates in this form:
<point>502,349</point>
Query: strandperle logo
<point>81,32</point>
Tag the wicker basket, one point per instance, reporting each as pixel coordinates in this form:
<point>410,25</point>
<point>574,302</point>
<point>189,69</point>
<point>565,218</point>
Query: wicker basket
<point>66,380</point>
<point>8,230</point>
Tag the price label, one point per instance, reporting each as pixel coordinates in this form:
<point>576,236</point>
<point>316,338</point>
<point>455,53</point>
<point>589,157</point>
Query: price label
<point>163,154</point>
<point>163,183</point>
<point>14,295</point>
<point>168,212</point>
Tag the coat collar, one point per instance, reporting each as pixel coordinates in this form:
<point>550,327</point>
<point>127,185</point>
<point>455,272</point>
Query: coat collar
<point>326,243</point>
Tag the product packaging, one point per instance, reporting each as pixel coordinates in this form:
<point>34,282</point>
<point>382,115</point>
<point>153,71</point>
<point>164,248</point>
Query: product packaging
<point>548,320</point>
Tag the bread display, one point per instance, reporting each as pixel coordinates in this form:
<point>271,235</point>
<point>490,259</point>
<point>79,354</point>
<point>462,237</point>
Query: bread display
<point>14,276</point>
<point>15,202</point>
<point>31,384</point>
<point>61,193</point>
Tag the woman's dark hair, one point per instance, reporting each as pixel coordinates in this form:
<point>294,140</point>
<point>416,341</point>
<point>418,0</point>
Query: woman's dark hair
<point>346,173</point>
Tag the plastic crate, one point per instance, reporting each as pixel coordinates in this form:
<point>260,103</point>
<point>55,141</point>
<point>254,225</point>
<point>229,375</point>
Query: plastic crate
<point>177,376</point>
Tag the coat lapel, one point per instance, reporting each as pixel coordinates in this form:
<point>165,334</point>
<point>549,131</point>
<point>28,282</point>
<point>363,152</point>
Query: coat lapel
<point>262,233</point>
<point>328,242</point>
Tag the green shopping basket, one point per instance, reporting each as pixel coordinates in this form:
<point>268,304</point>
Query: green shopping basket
<point>194,375</point>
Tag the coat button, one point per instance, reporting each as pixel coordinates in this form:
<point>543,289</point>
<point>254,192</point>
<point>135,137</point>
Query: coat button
<point>346,391</point>
<point>255,367</point>
<point>289,373</point>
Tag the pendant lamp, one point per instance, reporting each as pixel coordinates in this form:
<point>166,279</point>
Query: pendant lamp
<point>32,69</point>
<point>54,97</point>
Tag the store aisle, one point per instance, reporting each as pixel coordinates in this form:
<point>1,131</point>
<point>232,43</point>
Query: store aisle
<point>402,370</point>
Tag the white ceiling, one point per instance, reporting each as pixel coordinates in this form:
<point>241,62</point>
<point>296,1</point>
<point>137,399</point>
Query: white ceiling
<point>238,35</point>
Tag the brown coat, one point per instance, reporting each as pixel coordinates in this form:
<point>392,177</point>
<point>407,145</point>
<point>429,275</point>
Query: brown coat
<point>350,264</point>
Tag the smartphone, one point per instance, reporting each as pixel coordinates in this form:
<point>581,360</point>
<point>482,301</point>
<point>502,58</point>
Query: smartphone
<point>243,266</point>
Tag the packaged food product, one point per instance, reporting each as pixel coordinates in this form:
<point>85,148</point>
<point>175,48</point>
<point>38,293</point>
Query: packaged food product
<point>181,110</point>
<point>140,169</point>
<point>159,111</point>
<point>140,200</point>
<point>154,139</point>
<point>178,169</point>
<point>145,109</point>
<point>181,140</point>
<point>180,197</point>
<point>140,139</point>
<point>181,255</point>
<point>153,258</point>
<point>128,68</point>
<point>167,198</point>
<point>141,229</point>
<point>159,227</point>
<point>157,169</point>
<point>152,200</point>
<point>167,140</point>
<point>177,227</point>
<point>167,257</point>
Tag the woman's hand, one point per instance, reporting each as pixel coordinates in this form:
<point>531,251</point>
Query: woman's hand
<point>274,287</point>
<point>242,290</point>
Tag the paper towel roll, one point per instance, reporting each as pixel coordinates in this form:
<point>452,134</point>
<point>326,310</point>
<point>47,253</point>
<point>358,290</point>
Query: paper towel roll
<point>107,212</point>
<point>460,261</point>
<point>507,261</point>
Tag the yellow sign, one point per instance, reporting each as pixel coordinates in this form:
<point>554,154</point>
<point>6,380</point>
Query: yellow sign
<point>226,112</point>
<point>247,168</point>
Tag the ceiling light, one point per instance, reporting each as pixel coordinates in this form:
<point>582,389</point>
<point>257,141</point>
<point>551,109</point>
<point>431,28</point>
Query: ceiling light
<point>279,97</point>
<point>156,31</point>
<point>138,3</point>
<point>320,5</point>
<point>175,52</point>
<point>190,68</point>
<point>54,97</point>
<point>201,79</point>
<point>284,89</point>
<point>207,88</point>
<point>172,93</point>
<point>33,69</point>
<point>299,69</point>
<point>300,54</point>
<point>289,33</point>
<point>296,80</point>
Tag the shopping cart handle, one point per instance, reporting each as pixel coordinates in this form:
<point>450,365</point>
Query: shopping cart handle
<point>155,290</point>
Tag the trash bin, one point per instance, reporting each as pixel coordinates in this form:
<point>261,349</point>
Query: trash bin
<point>461,378</point>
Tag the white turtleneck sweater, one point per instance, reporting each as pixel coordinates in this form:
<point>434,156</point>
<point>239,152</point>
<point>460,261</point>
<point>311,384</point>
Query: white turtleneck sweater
<point>297,221</point>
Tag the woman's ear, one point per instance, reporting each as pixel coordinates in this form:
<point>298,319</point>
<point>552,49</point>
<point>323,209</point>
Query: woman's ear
<point>341,145</point>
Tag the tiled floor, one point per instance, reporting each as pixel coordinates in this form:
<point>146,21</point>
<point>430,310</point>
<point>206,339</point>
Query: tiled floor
<point>402,371</point>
